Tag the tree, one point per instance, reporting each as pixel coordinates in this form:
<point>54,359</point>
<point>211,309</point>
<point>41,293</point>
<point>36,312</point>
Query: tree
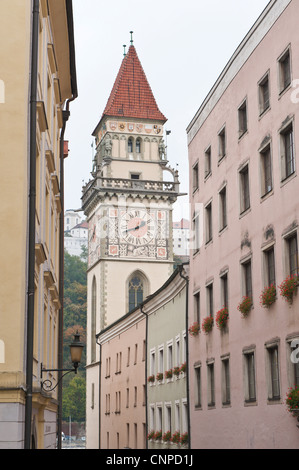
<point>73,401</point>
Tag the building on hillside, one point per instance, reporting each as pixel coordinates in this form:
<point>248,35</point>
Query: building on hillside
<point>243,155</point>
<point>37,64</point>
<point>76,239</point>
<point>71,218</point>
<point>180,232</point>
<point>167,400</point>
<point>128,205</point>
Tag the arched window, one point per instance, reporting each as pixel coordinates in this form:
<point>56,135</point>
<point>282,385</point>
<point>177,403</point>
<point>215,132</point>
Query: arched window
<point>130,145</point>
<point>138,145</point>
<point>93,318</point>
<point>135,292</point>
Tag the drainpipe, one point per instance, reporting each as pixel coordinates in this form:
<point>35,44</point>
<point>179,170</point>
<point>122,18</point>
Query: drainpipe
<point>65,115</point>
<point>31,228</point>
<point>146,368</point>
<point>100,372</point>
<point>187,350</point>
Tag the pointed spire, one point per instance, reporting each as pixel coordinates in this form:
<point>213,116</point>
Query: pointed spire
<point>124,46</point>
<point>131,95</point>
<point>131,32</point>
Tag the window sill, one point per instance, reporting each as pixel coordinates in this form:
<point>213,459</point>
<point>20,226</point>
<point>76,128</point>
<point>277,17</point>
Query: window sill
<point>245,212</point>
<point>274,401</point>
<point>242,134</point>
<point>288,178</point>
<point>265,111</point>
<point>208,176</point>
<point>222,230</point>
<point>220,159</point>
<point>250,402</point>
<point>284,90</point>
<point>267,195</point>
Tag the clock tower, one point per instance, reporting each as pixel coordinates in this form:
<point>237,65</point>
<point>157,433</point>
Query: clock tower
<point>128,204</point>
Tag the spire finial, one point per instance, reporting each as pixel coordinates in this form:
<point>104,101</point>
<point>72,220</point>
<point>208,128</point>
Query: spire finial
<point>124,46</point>
<point>131,32</point>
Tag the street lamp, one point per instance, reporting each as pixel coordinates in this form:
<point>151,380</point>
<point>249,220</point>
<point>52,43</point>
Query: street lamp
<point>76,348</point>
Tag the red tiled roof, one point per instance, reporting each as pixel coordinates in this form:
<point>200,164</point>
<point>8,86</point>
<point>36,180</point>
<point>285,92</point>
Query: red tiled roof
<point>131,95</point>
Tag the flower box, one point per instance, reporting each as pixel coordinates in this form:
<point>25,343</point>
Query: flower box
<point>150,435</point>
<point>159,376</point>
<point>166,436</point>
<point>292,400</point>
<point>184,438</point>
<point>158,435</point>
<point>245,306</point>
<point>207,324</point>
<point>268,296</point>
<point>176,371</point>
<point>176,437</point>
<point>194,329</point>
<point>168,374</point>
<point>222,318</point>
<point>288,288</point>
<point>183,367</point>
<point>151,379</point>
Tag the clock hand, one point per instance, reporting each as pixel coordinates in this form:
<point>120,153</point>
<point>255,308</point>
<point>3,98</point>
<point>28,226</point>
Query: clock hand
<point>136,228</point>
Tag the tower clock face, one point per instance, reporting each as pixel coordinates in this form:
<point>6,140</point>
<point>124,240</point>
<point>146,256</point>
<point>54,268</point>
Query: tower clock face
<point>137,227</point>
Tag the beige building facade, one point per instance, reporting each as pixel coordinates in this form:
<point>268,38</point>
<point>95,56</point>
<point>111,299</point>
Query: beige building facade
<point>37,77</point>
<point>243,159</point>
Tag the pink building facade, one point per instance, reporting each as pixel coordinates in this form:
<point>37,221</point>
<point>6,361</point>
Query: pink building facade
<point>122,415</point>
<point>243,157</point>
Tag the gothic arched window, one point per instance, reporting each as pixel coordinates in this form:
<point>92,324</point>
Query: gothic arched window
<point>136,289</point>
<point>138,145</point>
<point>130,145</point>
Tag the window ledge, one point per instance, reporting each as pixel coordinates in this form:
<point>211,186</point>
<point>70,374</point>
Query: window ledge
<point>267,195</point>
<point>264,112</point>
<point>288,178</point>
<point>245,212</point>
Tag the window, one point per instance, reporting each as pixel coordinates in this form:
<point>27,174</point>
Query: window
<point>178,350</point>
<point>225,382</point>
<point>196,300</point>
<point>222,209</point>
<point>211,384</point>
<point>197,382</point>
<point>209,292</point>
<point>208,163</point>
<point>273,372</point>
<point>169,356</point>
<point>244,189</point>
<point>209,232</point>
<point>269,262</point>
<point>264,94</point>
<point>128,398</point>
<point>222,143</point>
<point>135,176</point>
<point>242,117</point>
<point>266,170</point>
<point>138,145</point>
<point>135,396</point>
<point>249,364</point>
<point>247,279</point>
<point>136,353</point>
<point>196,234</point>
<point>195,177</point>
<point>152,362</point>
<point>292,254</point>
<point>128,356</point>
<point>135,292</point>
<point>284,64</point>
<point>287,151</point>
<point>161,360</point>
<point>224,289</point>
<point>159,418</point>
<point>168,423</point>
<point>130,145</point>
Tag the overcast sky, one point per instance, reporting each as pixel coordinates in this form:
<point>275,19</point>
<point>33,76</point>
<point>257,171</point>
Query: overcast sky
<point>182,45</point>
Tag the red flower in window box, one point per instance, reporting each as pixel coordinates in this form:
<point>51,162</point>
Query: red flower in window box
<point>194,329</point>
<point>222,318</point>
<point>268,296</point>
<point>245,306</point>
<point>207,324</point>
<point>288,288</point>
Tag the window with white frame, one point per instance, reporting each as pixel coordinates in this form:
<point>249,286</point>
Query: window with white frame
<point>184,415</point>
<point>287,151</point>
<point>152,417</point>
<point>225,381</point>
<point>244,189</point>
<point>273,376</point>
<point>222,209</point>
<point>161,359</point>
<point>246,278</point>
<point>159,417</point>
<point>211,384</point>
<point>178,350</point>
<point>152,362</point>
<point>242,118</point>
<point>222,143</point>
<point>249,375</point>
<point>196,233</point>
<point>168,418</point>
<point>170,355</point>
<point>177,423</point>
<point>291,254</point>
<point>266,170</point>
<point>264,93</point>
<point>208,162</point>
<point>196,303</point>
<point>197,385</point>
<point>284,70</point>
